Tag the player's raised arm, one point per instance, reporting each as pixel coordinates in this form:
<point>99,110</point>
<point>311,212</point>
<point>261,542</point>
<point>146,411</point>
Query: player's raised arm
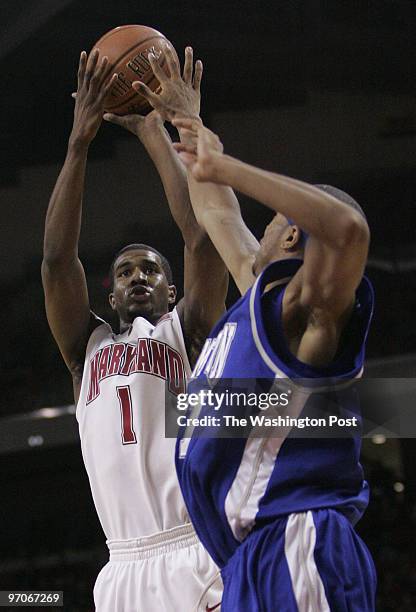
<point>205,275</point>
<point>233,240</point>
<point>66,295</point>
<point>337,247</point>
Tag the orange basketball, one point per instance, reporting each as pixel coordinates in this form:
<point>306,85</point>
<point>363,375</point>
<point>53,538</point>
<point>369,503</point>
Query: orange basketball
<point>127,48</point>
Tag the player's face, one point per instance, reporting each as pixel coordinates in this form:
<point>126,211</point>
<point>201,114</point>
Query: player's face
<point>271,243</point>
<point>140,287</point>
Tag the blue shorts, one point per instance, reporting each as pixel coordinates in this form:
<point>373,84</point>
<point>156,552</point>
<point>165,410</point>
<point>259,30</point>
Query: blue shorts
<point>305,562</point>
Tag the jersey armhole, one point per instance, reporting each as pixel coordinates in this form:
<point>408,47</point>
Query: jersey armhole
<point>97,326</point>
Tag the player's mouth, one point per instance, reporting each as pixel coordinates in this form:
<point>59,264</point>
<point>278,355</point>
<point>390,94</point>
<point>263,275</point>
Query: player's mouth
<point>140,293</point>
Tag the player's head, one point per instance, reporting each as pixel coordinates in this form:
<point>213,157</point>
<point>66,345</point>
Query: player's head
<point>283,239</point>
<point>142,285</point>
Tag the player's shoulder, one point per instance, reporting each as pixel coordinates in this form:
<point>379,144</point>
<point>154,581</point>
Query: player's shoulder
<point>278,323</point>
<point>171,317</point>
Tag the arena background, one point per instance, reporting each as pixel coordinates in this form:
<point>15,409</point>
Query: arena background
<point>322,90</point>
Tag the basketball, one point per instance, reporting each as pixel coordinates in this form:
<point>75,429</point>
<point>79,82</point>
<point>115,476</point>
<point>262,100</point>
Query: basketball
<point>127,48</point>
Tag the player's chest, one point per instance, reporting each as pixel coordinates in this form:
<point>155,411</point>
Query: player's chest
<point>142,361</point>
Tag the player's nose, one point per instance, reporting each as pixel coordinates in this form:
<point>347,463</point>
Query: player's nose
<point>138,276</point>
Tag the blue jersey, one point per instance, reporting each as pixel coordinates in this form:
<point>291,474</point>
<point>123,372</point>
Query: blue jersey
<point>232,486</point>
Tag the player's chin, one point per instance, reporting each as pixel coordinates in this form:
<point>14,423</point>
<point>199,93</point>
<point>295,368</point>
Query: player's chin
<point>143,309</point>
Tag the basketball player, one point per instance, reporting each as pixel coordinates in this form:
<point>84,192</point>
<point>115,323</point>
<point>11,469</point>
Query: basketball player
<point>120,380</point>
<point>277,513</point>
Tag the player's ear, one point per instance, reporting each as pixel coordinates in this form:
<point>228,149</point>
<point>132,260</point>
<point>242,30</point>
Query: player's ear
<point>112,301</point>
<point>291,238</point>
<point>172,294</point>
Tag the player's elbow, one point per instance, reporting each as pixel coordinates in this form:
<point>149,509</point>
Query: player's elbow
<point>51,264</point>
<point>56,255</point>
<point>56,265</point>
<point>47,270</point>
<point>353,231</point>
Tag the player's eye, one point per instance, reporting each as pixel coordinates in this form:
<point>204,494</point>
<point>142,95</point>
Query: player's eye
<point>126,272</point>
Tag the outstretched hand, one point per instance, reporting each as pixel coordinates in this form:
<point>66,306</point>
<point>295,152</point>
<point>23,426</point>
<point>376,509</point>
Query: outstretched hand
<point>201,150</point>
<point>137,124</point>
<point>179,95</point>
<point>93,87</point>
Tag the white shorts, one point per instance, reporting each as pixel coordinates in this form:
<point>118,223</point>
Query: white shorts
<point>168,571</point>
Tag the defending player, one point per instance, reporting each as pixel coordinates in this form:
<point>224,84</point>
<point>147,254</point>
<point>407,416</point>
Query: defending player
<point>277,513</point>
<point>281,521</point>
<point>156,561</point>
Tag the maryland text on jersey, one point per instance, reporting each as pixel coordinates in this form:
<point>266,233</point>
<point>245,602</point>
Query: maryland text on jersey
<point>146,355</point>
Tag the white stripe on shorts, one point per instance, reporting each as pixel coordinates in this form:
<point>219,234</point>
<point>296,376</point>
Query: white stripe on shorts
<point>308,588</point>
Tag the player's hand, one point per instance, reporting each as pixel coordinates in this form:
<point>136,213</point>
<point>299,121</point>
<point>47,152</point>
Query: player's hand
<point>89,99</point>
<point>180,95</point>
<point>142,127</point>
<point>200,149</point>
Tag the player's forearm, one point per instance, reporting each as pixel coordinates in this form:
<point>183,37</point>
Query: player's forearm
<point>174,180</point>
<point>211,197</point>
<point>218,213</point>
<point>313,210</point>
<point>63,218</point>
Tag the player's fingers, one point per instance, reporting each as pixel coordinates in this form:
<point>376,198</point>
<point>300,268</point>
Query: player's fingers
<point>107,88</point>
<point>102,71</point>
<point>91,64</point>
<point>157,70</point>
<point>97,78</point>
<point>187,123</point>
<point>198,75</point>
<point>190,135</point>
<point>144,91</point>
<point>74,95</point>
<point>81,68</point>
<point>111,118</point>
<point>187,158</point>
<point>172,62</point>
<point>128,122</point>
<point>183,122</point>
<point>188,65</point>
<point>184,147</point>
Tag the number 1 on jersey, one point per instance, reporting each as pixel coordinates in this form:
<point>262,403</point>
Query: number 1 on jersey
<point>126,409</point>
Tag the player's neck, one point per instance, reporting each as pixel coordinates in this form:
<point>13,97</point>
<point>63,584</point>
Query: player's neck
<point>127,325</point>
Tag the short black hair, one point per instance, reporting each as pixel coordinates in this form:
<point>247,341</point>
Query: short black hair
<point>142,247</point>
<point>343,197</point>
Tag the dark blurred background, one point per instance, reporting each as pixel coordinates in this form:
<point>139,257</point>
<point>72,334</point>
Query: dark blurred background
<point>321,90</point>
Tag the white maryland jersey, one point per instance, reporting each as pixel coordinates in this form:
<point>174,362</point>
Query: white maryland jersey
<point>121,417</point>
